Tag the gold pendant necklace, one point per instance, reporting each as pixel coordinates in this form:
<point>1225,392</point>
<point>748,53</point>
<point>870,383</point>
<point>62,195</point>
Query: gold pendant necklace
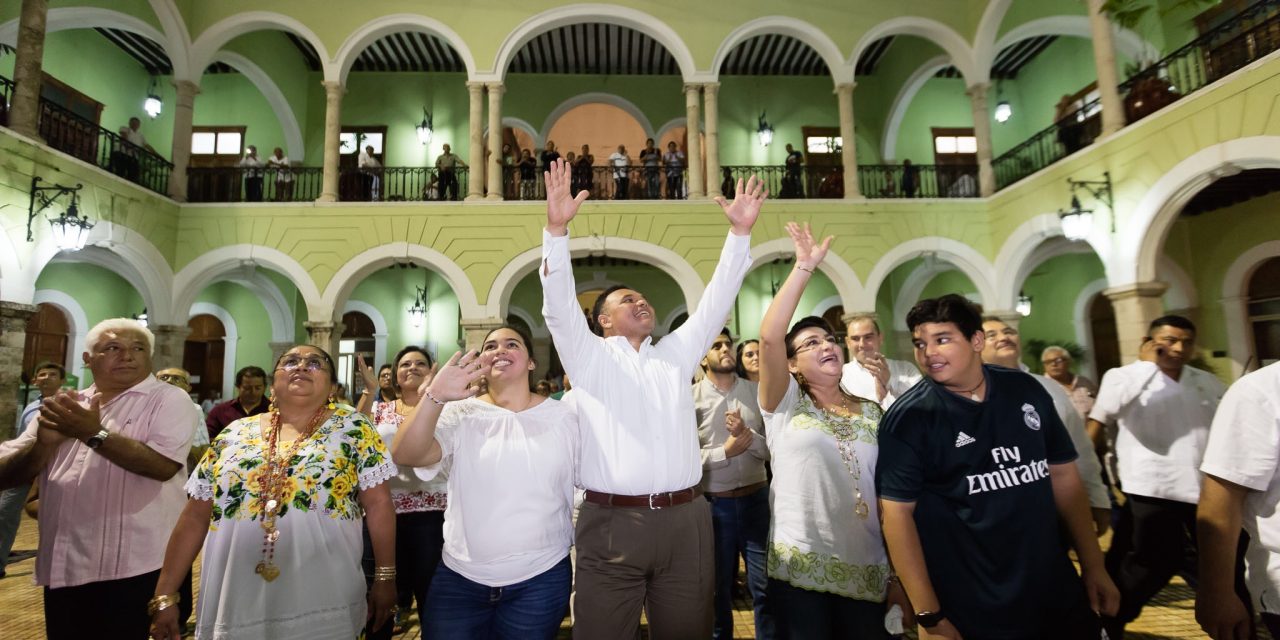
<point>273,489</point>
<point>843,432</point>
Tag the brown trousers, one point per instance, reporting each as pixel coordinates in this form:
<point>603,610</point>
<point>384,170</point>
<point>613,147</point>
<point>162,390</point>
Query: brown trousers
<point>662,560</point>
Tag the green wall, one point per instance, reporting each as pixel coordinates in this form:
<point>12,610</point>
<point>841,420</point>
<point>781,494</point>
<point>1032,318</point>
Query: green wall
<point>100,293</point>
<point>230,99</point>
<point>757,292</point>
<point>1054,287</point>
<point>391,291</point>
<point>941,102</point>
<point>253,327</point>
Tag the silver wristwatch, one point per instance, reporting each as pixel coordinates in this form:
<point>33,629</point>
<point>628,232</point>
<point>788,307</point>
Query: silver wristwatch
<point>97,439</point>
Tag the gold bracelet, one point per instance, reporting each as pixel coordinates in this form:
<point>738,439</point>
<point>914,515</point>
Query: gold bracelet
<point>161,602</point>
<point>384,574</point>
<point>803,269</point>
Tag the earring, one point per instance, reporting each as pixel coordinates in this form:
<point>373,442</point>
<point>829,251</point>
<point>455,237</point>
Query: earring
<point>271,405</point>
<point>332,403</point>
<point>800,380</point>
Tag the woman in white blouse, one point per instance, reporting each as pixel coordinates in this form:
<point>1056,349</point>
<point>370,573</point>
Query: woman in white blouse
<point>513,457</point>
<point>829,573</point>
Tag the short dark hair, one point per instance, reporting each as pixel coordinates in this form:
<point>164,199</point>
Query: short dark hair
<point>47,364</point>
<point>333,371</point>
<point>395,364</point>
<point>1175,321</point>
<point>858,317</point>
<point>520,331</point>
<point>810,322</point>
<point>742,373</point>
<point>953,308</point>
<point>384,367</point>
<point>598,307</point>
<point>253,371</point>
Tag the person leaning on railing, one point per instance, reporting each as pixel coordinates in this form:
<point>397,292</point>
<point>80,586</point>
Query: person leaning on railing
<point>673,160</point>
<point>447,165</point>
<point>278,165</point>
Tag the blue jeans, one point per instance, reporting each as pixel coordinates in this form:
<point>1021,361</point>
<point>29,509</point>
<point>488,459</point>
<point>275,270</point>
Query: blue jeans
<point>742,526</point>
<point>11,503</point>
<point>459,609</point>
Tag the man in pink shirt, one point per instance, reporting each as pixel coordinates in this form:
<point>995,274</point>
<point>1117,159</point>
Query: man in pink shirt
<point>108,460</point>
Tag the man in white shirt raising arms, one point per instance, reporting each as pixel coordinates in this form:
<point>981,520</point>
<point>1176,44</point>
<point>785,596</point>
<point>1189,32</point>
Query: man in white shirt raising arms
<point>868,373</point>
<point>644,535</point>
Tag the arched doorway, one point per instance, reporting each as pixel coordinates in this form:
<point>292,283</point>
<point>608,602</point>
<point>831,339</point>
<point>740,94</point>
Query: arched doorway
<point>48,337</point>
<point>357,341</point>
<point>204,354</point>
<point>1105,338</point>
<point>604,127</point>
<point>1264,312</point>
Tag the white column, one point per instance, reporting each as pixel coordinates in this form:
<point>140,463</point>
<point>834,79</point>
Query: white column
<point>848,152</point>
<point>697,188</point>
<point>711,95</point>
<point>982,131</point>
<point>332,129</point>
<point>183,112</point>
<point>1104,59</point>
<point>1136,305</point>
<point>494,165</point>
<point>475,153</point>
<point>24,112</point>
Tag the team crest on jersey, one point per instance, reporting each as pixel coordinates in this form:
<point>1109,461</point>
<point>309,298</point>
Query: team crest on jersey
<point>1030,417</point>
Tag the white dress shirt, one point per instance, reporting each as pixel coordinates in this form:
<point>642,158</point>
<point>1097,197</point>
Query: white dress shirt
<point>1162,426</point>
<point>710,403</point>
<point>857,380</point>
<point>634,407</point>
<point>1086,457</point>
<point>1244,448</point>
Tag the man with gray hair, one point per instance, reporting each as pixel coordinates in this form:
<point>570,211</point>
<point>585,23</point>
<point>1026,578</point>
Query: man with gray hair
<point>1057,367</point>
<point>108,460</point>
<point>869,374</point>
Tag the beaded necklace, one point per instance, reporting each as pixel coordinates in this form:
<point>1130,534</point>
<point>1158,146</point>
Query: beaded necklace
<point>845,435</point>
<point>273,489</point>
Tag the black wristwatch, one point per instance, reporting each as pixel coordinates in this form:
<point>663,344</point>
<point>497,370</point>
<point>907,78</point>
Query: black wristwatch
<point>930,619</point>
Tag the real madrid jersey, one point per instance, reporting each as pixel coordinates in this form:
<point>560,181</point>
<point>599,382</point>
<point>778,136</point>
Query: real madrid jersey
<point>979,475</point>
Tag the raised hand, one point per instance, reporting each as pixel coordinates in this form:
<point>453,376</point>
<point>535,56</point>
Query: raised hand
<point>367,374</point>
<point>745,208</point>
<point>456,379</point>
<point>809,254</point>
<point>562,206</point>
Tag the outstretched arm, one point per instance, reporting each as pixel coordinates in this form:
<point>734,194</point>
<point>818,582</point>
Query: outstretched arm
<point>562,205</point>
<point>560,309</point>
<point>774,376</point>
<point>415,444</point>
<point>745,208</point>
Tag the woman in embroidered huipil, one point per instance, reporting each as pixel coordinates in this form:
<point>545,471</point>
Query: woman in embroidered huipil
<point>277,503</point>
<point>419,504</point>
<point>828,568</point>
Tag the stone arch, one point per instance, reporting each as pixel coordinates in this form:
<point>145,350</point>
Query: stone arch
<point>803,31</point>
<point>79,326</point>
<point>1024,250</point>
<point>275,98</point>
<point>523,125</point>
<point>223,263</point>
<point>988,26</point>
<point>912,287</point>
<point>231,337</point>
<point>603,98</point>
<point>1235,300</point>
<point>66,18</point>
<point>671,316</point>
<point>931,30</point>
<point>536,329</point>
<point>1142,234</point>
<point>898,109</point>
<point>959,254</point>
<point>826,304</point>
<point>380,329</point>
<point>349,275</point>
<point>834,267</point>
<point>577,13</point>
<point>1181,293</point>
<point>1127,42</point>
<point>213,38</point>
<point>669,125</point>
<point>666,260</point>
<point>362,37</point>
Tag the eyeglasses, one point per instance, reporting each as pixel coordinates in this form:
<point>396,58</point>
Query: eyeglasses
<point>813,343</point>
<point>171,377</point>
<point>293,363</point>
<point>1058,360</point>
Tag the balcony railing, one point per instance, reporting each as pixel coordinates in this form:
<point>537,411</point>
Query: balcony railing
<point>239,184</point>
<point>1245,38</point>
<point>76,136</point>
<point>604,183</point>
<point>787,182</point>
<point>918,181</point>
<point>6,99</point>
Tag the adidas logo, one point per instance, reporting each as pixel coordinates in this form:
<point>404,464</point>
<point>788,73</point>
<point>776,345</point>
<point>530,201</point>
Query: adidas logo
<point>963,439</point>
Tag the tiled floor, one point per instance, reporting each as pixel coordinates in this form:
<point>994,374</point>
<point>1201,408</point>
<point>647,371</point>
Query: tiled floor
<point>1170,615</point>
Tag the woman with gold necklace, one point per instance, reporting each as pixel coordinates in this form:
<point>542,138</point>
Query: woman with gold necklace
<point>419,504</point>
<point>277,503</point>
<point>829,572</point>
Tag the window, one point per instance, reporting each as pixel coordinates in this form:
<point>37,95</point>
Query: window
<point>823,144</point>
<point>217,141</point>
<point>354,141</point>
<point>955,144</point>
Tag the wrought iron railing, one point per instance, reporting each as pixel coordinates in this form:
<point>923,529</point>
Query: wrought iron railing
<point>632,182</point>
<point>6,99</point>
<point>84,139</point>
<point>787,182</point>
<point>918,181</point>
<point>401,184</point>
<point>1241,40</point>
<point>244,184</point>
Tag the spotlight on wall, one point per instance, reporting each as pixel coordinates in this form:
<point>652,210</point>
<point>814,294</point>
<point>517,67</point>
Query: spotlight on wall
<point>70,229</point>
<point>424,128</point>
<point>764,131</point>
<point>152,105</point>
<point>1003,111</point>
<point>1078,221</point>
<point>1023,306</point>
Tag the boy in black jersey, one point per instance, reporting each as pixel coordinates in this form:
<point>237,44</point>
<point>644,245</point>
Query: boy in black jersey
<point>977,484</point>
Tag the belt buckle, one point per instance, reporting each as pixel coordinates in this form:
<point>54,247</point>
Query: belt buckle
<point>651,507</point>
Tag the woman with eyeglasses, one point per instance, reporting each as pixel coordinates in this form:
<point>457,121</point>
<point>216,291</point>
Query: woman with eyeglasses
<point>277,503</point>
<point>513,457</point>
<point>419,504</point>
<point>829,573</point>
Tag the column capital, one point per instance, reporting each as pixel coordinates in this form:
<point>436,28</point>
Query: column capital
<point>495,87</point>
<point>978,89</point>
<point>844,86</point>
<point>333,86</point>
<point>1135,290</point>
<point>188,87</point>
<point>475,86</point>
<point>692,87</point>
<point>711,87</point>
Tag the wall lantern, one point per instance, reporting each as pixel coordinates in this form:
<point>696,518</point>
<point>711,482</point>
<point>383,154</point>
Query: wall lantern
<point>424,128</point>
<point>1023,307</point>
<point>142,318</point>
<point>764,131</point>
<point>1003,111</point>
<point>70,229</point>
<point>418,312</point>
<point>1077,222</point>
<point>152,105</point>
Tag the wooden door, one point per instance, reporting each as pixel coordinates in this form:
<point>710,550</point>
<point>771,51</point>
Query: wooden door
<point>48,337</point>
<point>204,355</point>
<point>824,172</point>
<point>1106,339</point>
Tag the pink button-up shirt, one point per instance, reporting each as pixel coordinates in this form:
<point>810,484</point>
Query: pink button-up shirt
<point>98,521</point>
